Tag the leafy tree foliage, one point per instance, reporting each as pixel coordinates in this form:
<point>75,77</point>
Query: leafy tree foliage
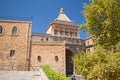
<point>91,66</point>
<point>103,24</point>
<point>103,20</point>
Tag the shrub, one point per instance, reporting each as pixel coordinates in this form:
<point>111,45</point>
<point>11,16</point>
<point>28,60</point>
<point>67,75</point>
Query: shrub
<point>52,75</point>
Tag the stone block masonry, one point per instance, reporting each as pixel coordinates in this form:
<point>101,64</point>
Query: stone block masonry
<point>19,43</point>
<point>48,52</point>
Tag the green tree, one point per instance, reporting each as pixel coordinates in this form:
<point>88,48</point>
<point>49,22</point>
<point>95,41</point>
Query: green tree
<point>103,20</point>
<point>91,66</point>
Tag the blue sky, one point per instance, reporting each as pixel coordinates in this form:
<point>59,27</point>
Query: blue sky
<point>44,11</point>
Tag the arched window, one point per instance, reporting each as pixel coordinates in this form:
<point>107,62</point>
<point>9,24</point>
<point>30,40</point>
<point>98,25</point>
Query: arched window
<point>39,58</point>
<point>12,53</point>
<point>14,30</point>
<point>1,29</point>
<point>56,58</point>
<point>46,39</point>
<point>56,32</point>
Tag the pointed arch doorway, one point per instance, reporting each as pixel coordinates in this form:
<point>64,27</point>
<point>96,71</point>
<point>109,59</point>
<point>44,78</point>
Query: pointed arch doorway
<point>69,62</point>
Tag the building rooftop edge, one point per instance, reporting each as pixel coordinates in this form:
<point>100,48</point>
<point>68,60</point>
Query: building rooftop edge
<point>88,38</point>
<point>43,34</point>
<point>22,21</point>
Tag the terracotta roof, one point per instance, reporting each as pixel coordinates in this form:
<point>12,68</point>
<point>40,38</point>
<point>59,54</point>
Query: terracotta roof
<point>63,22</point>
<point>60,22</point>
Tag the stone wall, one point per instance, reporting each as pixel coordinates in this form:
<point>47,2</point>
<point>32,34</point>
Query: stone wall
<point>19,42</point>
<point>47,52</point>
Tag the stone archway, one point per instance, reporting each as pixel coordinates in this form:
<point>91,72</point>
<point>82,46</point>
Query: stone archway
<point>69,62</point>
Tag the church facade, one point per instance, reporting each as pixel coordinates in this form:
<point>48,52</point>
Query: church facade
<point>20,49</point>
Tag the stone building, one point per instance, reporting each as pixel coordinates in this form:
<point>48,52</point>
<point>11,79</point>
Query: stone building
<point>20,49</point>
<point>89,44</point>
<point>15,39</point>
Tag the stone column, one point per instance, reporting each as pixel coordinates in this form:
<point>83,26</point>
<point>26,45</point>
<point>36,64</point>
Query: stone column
<point>78,33</point>
<point>64,33</point>
<point>59,32</point>
<point>53,31</point>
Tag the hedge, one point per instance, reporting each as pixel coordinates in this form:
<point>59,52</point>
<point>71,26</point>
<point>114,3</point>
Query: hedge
<point>52,75</point>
